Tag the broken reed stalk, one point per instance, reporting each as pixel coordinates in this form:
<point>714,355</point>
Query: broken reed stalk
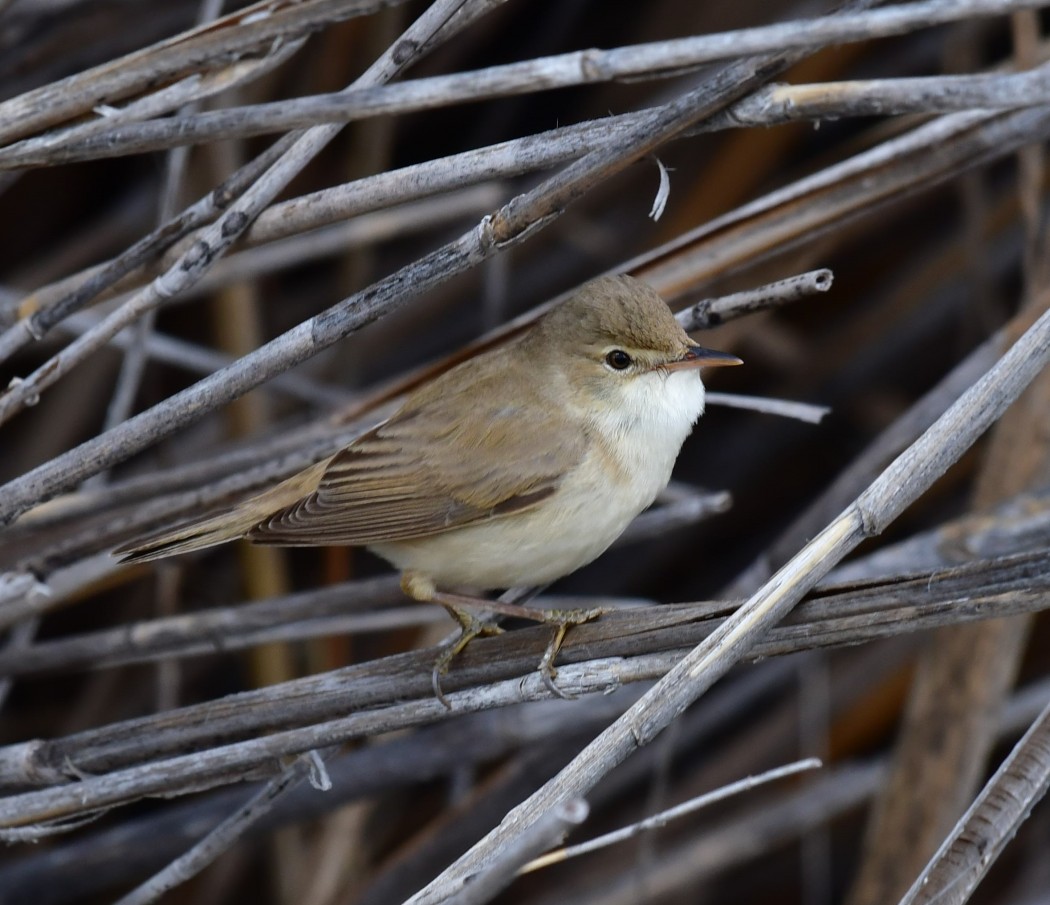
<point>902,482</point>
<point>713,312</point>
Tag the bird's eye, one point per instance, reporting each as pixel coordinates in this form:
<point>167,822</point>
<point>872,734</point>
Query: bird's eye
<point>618,360</point>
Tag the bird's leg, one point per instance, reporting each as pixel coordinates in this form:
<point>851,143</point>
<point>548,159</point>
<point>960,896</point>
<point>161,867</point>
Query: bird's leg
<point>562,621</point>
<point>470,627</point>
<point>460,607</point>
<point>423,589</point>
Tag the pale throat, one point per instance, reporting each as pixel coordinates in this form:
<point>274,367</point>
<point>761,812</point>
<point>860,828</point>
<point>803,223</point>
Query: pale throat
<point>646,420</point>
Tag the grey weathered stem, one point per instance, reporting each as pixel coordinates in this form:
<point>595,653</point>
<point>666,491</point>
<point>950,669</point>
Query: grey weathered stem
<point>772,106</point>
<point>187,91</point>
<point>708,313</point>
<point>234,35</point>
<point>902,482</point>
<point>193,861</point>
<point>510,224</point>
<point>144,756</point>
<point>667,816</point>
<point>662,58</point>
<point>989,823</point>
<point>212,242</point>
<point>544,833</point>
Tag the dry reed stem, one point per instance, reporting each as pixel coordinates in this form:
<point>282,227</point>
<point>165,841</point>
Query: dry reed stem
<point>904,480</point>
<point>655,60</point>
<point>511,224</point>
<point>989,823</point>
<point>140,757</point>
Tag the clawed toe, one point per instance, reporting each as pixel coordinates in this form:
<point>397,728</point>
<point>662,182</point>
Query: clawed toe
<point>562,620</point>
<point>471,627</point>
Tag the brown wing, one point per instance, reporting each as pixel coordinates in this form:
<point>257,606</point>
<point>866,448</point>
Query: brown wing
<point>424,471</point>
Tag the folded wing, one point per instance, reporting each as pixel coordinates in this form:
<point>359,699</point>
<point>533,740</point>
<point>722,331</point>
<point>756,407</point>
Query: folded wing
<point>426,471</point>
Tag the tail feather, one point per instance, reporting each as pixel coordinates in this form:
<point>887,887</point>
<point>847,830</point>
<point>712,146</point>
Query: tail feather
<point>225,526</point>
<point>198,535</point>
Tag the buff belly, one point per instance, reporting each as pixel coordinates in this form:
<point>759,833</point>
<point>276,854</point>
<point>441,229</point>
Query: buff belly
<point>621,476</point>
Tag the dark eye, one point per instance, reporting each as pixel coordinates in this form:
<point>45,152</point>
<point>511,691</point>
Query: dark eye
<point>618,359</point>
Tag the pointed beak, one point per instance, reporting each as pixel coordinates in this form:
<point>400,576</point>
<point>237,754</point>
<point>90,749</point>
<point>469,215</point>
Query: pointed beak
<point>699,357</point>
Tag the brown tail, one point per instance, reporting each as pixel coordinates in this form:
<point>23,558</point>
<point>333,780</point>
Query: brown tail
<point>226,526</point>
<point>209,532</point>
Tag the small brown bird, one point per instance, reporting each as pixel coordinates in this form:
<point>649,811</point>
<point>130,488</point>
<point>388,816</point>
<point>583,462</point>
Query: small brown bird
<point>512,469</point>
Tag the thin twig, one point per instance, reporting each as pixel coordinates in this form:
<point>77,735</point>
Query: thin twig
<point>784,408</point>
<point>693,863</point>
<point>666,816</point>
<point>545,832</point>
<point>224,835</point>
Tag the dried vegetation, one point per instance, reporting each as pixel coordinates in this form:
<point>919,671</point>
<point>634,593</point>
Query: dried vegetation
<point>231,238</point>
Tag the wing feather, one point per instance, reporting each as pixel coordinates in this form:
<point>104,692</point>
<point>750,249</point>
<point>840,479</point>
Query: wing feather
<point>427,470</point>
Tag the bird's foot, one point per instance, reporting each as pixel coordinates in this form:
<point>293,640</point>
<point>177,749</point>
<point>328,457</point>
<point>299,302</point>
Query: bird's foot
<point>562,621</point>
<point>471,627</point>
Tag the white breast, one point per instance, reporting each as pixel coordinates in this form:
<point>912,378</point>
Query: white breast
<point>595,503</point>
<point>647,431</point>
